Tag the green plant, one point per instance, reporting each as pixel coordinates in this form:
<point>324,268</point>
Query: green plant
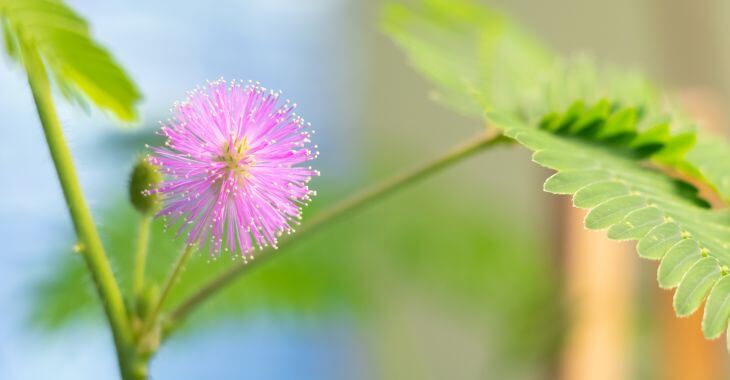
<point>54,46</point>
<point>616,146</point>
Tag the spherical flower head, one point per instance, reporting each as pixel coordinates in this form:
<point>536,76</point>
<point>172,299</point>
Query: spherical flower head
<point>235,166</point>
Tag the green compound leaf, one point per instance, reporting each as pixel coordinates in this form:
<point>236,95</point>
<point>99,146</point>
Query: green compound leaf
<point>612,176</point>
<point>80,67</point>
<point>609,174</point>
<point>612,149</point>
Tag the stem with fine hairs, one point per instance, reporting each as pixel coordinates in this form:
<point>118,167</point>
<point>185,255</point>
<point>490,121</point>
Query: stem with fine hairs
<point>90,245</point>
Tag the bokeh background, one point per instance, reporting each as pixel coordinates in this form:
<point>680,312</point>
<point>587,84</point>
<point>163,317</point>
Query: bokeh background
<point>460,277</point>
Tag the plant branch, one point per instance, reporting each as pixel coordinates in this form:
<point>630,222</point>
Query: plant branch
<point>167,288</point>
<point>91,246</point>
<point>342,209</point>
<point>140,257</point>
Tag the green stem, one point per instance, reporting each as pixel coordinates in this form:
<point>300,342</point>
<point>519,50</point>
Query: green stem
<point>346,207</point>
<point>90,243</point>
<point>167,288</point>
<point>140,258</point>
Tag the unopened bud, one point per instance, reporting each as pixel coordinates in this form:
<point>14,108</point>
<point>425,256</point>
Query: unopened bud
<point>142,183</point>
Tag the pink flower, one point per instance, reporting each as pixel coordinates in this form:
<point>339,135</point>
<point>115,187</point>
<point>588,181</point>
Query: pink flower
<point>233,163</point>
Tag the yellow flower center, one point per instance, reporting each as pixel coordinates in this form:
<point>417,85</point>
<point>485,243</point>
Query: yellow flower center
<point>237,158</point>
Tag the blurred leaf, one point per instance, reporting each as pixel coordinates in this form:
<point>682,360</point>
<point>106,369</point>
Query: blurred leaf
<point>481,61</point>
<point>78,64</point>
<point>478,58</point>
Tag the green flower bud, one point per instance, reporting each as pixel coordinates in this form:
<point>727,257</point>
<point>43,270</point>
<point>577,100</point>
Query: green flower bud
<point>143,179</point>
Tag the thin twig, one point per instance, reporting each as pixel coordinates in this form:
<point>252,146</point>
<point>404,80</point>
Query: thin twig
<point>167,288</point>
